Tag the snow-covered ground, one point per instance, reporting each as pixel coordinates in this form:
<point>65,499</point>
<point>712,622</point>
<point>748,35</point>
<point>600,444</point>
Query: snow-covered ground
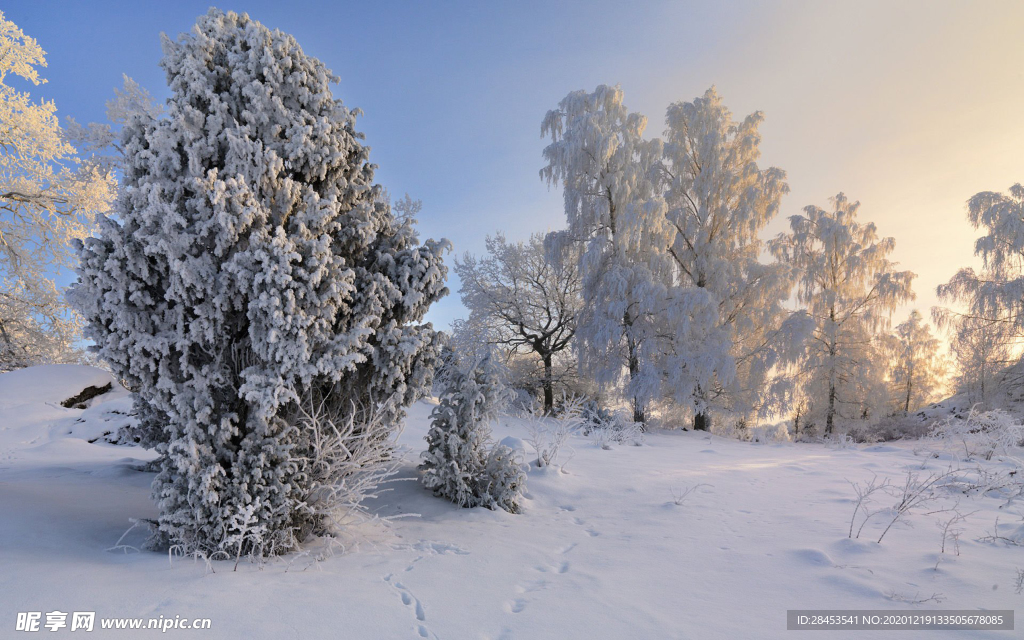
<point>602,550</point>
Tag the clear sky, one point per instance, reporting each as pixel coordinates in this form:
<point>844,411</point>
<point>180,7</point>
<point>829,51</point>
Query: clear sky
<point>908,107</point>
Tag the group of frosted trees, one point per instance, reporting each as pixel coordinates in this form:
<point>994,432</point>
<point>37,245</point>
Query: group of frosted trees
<point>675,304</point>
<point>256,290</point>
<point>251,285</point>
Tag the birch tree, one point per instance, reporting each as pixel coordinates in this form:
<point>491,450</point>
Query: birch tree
<point>849,287</point>
<point>48,198</point>
<point>916,368</point>
<point>718,203</point>
<point>599,157</point>
<point>981,350</point>
<point>996,294</point>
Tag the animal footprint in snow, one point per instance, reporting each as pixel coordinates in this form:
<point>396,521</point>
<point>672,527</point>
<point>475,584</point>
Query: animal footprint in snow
<point>414,604</point>
<point>411,601</point>
<point>562,567</point>
<point>516,606</point>
<point>439,548</point>
<point>532,586</point>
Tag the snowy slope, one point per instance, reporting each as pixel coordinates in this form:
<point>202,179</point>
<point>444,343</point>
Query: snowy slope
<point>602,550</point>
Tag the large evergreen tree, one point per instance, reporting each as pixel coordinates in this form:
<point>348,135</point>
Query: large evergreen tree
<point>253,266</point>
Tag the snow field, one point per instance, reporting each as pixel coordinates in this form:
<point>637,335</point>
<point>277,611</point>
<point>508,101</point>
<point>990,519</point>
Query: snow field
<point>602,549</point>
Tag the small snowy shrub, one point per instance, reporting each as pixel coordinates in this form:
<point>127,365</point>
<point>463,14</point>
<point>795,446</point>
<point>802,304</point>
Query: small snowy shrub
<point>619,432</point>
<point>345,461</point>
<point>838,441</point>
<point>769,433</point>
<point>980,434</point>
<point>890,428</point>
<point>594,416</point>
<point>252,261</point>
<point>605,427</point>
<point>460,462</point>
<point>502,481</point>
<point>547,436</point>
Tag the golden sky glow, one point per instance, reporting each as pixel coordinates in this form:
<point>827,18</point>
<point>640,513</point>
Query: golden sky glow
<point>910,108</point>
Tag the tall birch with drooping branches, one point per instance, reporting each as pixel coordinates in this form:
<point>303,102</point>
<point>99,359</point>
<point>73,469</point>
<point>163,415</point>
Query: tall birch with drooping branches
<point>849,287</point>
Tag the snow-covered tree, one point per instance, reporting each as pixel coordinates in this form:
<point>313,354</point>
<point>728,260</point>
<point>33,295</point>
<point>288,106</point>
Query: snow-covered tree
<point>916,369</point>
<point>524,300</point>
<point>47,199</point>
<point>253,268</point>
<point>849,287</point>
<point>995,295</point>
<point>981,350</point>
<point>461,463</point>
<point>718,203</point>
<point>987,321</point>
<point>598,156</point>
<point>99,143</point>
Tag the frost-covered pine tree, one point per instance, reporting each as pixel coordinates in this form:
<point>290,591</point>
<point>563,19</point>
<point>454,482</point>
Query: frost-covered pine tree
<point>916,369</point>
<point>252,268</point>
<point>849,287</point>
<point>598,156</point>
<point>718,201</point>
<point>461,463</point>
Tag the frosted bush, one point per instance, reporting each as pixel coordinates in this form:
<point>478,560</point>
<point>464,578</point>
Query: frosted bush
<point>606,428</point>
<point>980,434</point>
<point>838,441</point>
<point>502,480</point>
<point>770,433</point>
<point>547,436</point>
<point>345,461</point>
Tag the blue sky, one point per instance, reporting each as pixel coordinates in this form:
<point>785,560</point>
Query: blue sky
<point>908,107</point>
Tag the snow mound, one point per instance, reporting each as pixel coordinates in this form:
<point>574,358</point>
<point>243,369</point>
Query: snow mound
<point>50,383</point>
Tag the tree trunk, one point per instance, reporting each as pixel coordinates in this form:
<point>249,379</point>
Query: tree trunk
<point>701,421</point>
<point>634,370</point>
<point>549,392</point>
<point>830,415</point>
<point>639,411</point>
<point>8,346</point>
